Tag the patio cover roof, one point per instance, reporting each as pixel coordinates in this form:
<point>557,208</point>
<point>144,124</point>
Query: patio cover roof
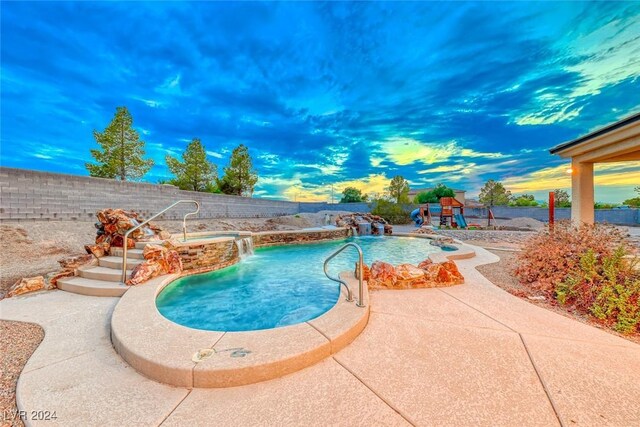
<point>617,142</point>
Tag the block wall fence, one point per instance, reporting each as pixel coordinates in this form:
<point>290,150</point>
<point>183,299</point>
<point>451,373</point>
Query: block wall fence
<point>27,195</point>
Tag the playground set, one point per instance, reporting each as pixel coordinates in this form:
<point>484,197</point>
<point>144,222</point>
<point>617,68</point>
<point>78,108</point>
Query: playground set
<point>451,213</point>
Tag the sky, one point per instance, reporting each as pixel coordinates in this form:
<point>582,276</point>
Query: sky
<point>326,95</point>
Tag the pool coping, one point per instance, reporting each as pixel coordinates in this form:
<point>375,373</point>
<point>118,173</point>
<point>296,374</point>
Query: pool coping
<point>169,353</point>
<point>164,351</point>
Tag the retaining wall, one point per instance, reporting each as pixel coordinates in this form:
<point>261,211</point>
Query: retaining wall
<point>32,195</point>
<point>311,207</point>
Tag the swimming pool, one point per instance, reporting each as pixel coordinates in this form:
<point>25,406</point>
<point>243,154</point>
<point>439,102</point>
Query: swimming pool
<point>277,286</point>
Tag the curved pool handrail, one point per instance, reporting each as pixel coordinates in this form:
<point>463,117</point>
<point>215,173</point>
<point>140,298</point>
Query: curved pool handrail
<point>129,231</point>
<point>360,302</point>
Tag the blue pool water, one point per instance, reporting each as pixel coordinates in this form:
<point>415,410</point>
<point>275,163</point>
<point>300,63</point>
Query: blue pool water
<point>277,286</point>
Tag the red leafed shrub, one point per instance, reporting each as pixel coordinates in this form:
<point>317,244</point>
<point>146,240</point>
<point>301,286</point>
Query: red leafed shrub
<point>585,267</point>
<point>548,257</point>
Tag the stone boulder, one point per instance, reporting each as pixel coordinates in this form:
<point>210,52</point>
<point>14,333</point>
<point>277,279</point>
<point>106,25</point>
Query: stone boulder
<point>53,278</point>
<point>423,265</point>
<point>98,250</point>
<point>114,223</point>
<point>27,284</point>
<point>159,260</point>
<point>73,262</point>
<point>444,274</point>
<point>366,272</point>
<point>407,276</point>
<point>383,276</point>
<point>145,271</point>
<point>353,219</point>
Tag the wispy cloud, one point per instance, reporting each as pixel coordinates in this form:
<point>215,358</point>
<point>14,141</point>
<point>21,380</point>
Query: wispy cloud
<point>323,93</point>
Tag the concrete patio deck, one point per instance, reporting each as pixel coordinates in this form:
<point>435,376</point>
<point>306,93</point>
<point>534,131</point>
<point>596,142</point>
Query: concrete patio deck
<point>470,355</point>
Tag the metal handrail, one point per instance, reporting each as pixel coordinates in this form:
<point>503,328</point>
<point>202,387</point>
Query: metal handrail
<point>126,235</point>
<point>360,302</point>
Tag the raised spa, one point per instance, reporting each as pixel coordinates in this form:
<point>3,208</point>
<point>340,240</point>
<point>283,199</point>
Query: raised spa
<point>277,286</point>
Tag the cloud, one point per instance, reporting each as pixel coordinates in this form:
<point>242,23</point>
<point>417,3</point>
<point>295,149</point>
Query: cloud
<point>321,93</point>
<point>405,151</point>
<point>550,178</point>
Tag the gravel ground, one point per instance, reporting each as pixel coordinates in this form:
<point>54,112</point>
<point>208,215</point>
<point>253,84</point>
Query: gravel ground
<point>17,342</point>
<point>502,275</point>
<point>490,238</point>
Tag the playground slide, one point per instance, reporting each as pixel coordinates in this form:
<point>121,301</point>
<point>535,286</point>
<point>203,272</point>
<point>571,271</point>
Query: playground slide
<point>416,217</point>
<point>461,221</point>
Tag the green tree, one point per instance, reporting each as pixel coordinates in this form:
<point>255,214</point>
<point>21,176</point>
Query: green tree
<point>562,198</point>
<point>524,200</point>
<point>399,189</point>
<point>634,202</point>
<point>122,151</point>
<point>352,195</point>
<point>425,197</point>
<point>392,212</point>
<point>434,195</point>
<point>195,172</point>
<point>493,193</point>
<point>239,176</point>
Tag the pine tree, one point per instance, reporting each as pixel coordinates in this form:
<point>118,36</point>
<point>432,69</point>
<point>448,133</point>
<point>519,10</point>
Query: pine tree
<point>399,189</point>
<point>493,194</point>
<point>195,172</point>
<point>122,151</point>
<point>239,176</point>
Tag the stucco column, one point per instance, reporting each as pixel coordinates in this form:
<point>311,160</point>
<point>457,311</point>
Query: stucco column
<point>582,192</point>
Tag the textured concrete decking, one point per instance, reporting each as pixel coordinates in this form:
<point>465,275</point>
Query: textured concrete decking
<point>470,355</point>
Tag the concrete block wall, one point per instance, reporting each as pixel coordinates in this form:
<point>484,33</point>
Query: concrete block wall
<point>312,207</point>
<point>33,195</point>
<point>611,216</point>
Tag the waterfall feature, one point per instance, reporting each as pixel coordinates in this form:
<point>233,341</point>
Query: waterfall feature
<point>245,246</point>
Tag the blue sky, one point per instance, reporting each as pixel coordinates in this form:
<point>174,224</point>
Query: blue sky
<point>326,93</point>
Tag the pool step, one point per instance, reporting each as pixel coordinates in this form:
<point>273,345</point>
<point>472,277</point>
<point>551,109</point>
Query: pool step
<point>91,287</point>
<point>102,273</point>
<point>116,262</point>
<point>131,253</point>
<point>141,245</point>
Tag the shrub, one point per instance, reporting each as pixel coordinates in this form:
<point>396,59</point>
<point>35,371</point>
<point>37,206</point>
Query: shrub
<point>634,202</point>
<point>392,212</point>
<point>600,205</point>
<point>524,200</point>
<point>547,258</point>
<point>585,267</point>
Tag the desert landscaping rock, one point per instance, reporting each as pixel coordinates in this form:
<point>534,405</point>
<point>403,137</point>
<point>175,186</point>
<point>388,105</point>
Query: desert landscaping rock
<point>28,284</point>
<point>427,274</point>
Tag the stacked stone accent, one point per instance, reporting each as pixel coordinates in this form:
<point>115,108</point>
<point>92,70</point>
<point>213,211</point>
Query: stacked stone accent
<point>273,238</point>
<point>199,257</point>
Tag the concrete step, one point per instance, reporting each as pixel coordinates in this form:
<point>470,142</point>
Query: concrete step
<point>96,288</point>
<point>102,273</point>
<point>131,253</point>
<point>116,262</point>
<point>141,245</point>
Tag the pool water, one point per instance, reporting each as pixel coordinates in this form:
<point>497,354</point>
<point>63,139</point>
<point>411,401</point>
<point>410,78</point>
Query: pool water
<point>277,286</point>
